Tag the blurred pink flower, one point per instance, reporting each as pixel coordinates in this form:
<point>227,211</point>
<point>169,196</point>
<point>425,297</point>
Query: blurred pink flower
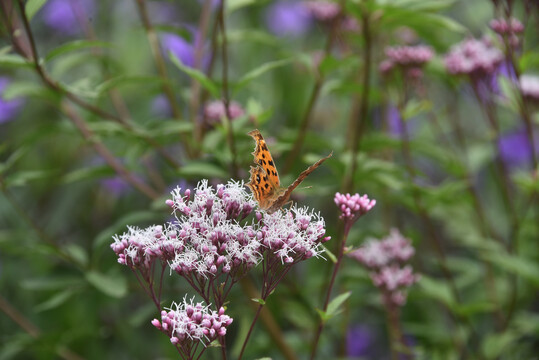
<point>324,11</point>
<point>473,57</point>
<point>215,111</point>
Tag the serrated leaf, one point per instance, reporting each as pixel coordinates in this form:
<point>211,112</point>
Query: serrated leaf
<point>262,69</point>
<point>55,301</point>
<point>198,75</point>
<point>73,46</point>
<point>199,169</point>
<point>32,7</point>
<point>113,285</point>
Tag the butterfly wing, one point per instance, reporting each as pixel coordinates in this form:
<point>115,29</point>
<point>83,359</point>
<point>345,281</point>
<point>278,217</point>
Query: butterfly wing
<point>261,186</point>
<point>283,198</point>
<point>262,157</point>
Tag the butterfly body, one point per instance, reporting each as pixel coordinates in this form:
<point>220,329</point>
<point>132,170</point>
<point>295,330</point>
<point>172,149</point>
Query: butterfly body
<point>265,183</point>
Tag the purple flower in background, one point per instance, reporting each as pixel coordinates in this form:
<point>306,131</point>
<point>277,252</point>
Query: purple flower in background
<point>65,16</point>
<point>395,125</point>
<point>358,341</point>
<point>8,108</point>
<point>515,148</point>
<point>115,185</point>
<point>183,49</point>
<point>288,18</point>
<point>179,47</point>
<point>160,106</point>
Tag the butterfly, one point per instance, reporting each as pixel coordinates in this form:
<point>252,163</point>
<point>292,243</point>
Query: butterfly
<point>264,181</point>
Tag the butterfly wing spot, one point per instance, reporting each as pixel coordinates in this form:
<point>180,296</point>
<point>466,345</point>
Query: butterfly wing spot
<point>262,157</point>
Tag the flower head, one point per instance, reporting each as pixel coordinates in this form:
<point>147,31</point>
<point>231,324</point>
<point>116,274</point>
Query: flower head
<point>353,206</point>
<point>8,108</point>
<point>473,57</point>
<point>293,235</point>
<point>503,26</point>
<point>187,323</point>
<point>385,258</point>
<point>215,111</point>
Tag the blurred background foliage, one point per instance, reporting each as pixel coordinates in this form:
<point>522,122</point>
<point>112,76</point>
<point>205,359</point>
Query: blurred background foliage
<point>117,111</point>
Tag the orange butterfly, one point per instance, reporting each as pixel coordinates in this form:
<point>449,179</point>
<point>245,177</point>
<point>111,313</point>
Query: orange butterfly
<point>264,181</point>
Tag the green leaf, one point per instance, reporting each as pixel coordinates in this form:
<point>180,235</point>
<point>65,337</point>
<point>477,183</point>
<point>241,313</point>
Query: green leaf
<point>200,169</point>
<point>51,283</point>
<point>77,253</point>
<point>113,285</point>
<point>88,173</point>
<point>517,265</point>
<point>262,69</point>
<point>55,301</point>
<point>495,345</point>
<point>14,61</point>
<point>233,5</point>
<point>22,178</point>
<point>126,80</point>
<point>198,75</point>
<point>259,301</point>
<point>171,127</point>
<point>73,46</point>
<point>32,7</point>
<point>13,158</point>
<point>437,290</point>
<point>334,305</point>
<point>415,107</point>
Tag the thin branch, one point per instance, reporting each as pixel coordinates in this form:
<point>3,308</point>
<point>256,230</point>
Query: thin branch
<point>109,158</point>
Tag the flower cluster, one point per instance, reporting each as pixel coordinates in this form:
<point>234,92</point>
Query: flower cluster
<point>473,57</point>
<point>507,27</point>
<point>353,206</point>
<point>385,258</point>
<point>293,235</point>
<point>186,323</point>
<point>529,85</point>
<point>508,30</point>
<point>138,248</point>
<point>215,111</point>
<point>410,58</point>
<point>209,226</point>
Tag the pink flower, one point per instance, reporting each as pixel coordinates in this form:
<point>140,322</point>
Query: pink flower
<point>529,85</point>
<point>504,27</point>
<point>215,111</point>
<point>353,206</point>
<point>325,11</point>
<point>473,57</point>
